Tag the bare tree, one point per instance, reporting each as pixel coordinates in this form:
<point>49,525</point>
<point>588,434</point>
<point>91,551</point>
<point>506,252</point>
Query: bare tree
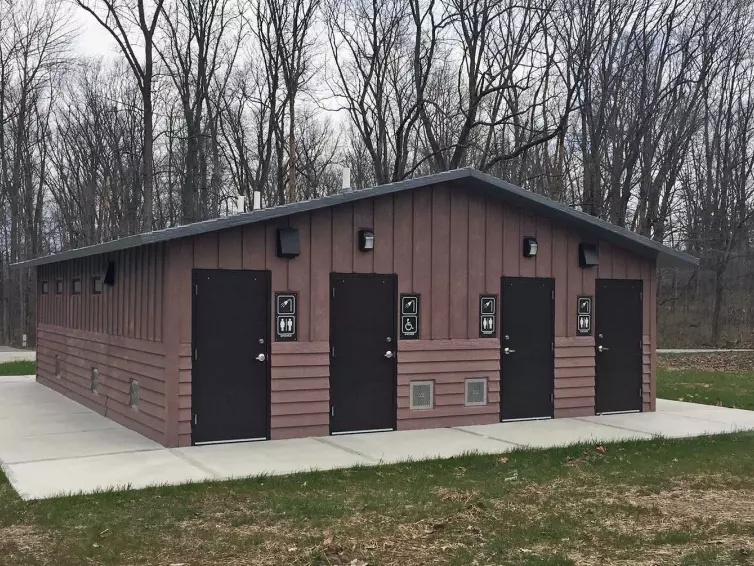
<point>118,17</point>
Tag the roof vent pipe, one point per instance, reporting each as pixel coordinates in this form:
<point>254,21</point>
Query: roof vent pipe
<point>346,180</point>
<point>241,203</point>
<point>257,204</point>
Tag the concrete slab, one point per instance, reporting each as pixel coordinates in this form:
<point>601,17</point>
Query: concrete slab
<point>16,378</point>
<point>278,457</point>
<point>669,425</point>
<point>554,432</point>
<point>14,450</point>
<point>400,446</point>
<point>51,445</point>
<point>13,355</point>
<point>133,470</point>
<point>53,423</point>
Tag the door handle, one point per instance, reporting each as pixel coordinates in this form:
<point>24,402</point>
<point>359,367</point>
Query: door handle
<point>602,348</point>
<point>508,351</point>
<point>261,358</point>
<point>389,354</point>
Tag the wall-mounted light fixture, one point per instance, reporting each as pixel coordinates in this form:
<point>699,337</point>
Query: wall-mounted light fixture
<point>366,240</point>
<point>530,247</point>
<point>588,255</point>
<point>289,245</point>
<point>108,277</point>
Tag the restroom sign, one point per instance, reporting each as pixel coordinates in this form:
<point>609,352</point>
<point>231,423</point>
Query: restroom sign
<point>488,316</point>
<point>286,317</point>
<point>584,316</point>
<point>410,316</point>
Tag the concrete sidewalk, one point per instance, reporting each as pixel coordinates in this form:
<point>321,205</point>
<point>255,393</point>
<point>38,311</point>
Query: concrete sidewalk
<point>50,445</point>
<point>8,354</point>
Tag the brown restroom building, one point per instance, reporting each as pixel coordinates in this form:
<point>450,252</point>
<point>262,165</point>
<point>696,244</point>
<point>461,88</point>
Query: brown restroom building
<point>447,300</point>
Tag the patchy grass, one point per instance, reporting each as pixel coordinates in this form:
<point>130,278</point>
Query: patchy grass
<point>18,368</point>
<point>711,379</point>
<point>657,502</point>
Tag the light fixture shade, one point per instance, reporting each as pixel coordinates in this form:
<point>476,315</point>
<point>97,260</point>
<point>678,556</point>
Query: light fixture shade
<point>530,247</point>
<point>366,240</point>
<point>288,243</point>
<point>588,255</point>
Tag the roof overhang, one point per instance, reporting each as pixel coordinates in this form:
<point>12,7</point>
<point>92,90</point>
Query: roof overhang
<point>585,224</point>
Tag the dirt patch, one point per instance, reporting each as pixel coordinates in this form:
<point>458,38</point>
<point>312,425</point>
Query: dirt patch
<point>724,361</point>
<point>18,542</point>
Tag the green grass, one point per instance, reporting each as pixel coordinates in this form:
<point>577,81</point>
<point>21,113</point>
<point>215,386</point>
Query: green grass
<point>686,501</point>
<point>709,388</point>
<point>711,379</point>
<point>18,368</point>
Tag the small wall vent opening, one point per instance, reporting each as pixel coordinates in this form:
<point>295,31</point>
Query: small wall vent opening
<point>134,394</point>
<point>476,391</point>
<point>422,395</point>
<point>95,381</point>
<point>57,366</point>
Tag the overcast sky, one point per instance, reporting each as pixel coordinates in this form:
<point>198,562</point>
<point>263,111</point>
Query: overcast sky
<point>93,40</point>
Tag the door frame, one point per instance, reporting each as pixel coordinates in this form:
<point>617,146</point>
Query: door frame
<point>267,275</point>
<point>595,307</point>
<point>394,277</point>
<point>501,335</point>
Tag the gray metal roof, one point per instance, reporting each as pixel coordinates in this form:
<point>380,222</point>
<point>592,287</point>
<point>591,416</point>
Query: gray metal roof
<point>587,225</point>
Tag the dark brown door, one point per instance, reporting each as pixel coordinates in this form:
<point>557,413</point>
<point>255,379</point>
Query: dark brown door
<point>363,385</point>
<point>230,375</point>
<point>618,345</point>
<point>526,348</point>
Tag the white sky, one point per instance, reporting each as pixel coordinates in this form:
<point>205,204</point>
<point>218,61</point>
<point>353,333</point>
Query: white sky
<point>92,40</point>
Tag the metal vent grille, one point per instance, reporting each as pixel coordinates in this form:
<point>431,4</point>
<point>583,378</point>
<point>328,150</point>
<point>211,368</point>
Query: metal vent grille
<point>422,394</point>
<point>134,394</point>
<point>476,391</point>
<point>95,380</point>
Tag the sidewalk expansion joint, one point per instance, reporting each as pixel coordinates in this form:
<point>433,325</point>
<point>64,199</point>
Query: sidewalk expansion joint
<point>471,432</point>
<point>345,449</point>
<point>195,463</point>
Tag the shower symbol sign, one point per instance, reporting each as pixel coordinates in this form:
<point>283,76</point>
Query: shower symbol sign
<point>487,316</point>
<point>409,316</point>
<point>285,317</point>
<point>584,316</point>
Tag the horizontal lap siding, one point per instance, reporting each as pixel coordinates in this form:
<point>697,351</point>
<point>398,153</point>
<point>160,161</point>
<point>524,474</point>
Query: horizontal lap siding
<point>118,360</point>
<point>448,363</point>
<point>184,395</point>
<point>300,389</point>
<point>647,384</point>
<point>574,376</point>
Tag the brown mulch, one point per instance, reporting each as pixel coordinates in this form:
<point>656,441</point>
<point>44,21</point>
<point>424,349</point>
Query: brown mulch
<point>737,362</point>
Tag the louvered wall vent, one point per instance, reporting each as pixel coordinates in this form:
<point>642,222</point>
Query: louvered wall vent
<point>134,394</point>
<point>422,394</point>
<point>476,391</point>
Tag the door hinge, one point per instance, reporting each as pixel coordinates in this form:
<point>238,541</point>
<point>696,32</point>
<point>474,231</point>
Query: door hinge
<point>333,292</point>
<point>196,355</point>
<point>641,392</point>
<point>552,397</point>
<point>196,419</point>
<point>553,294</point>
<point>196,290</point>
<point>332,351</point>
<point>641,295</point>
<point>332,411</point>
<point>552,346</point>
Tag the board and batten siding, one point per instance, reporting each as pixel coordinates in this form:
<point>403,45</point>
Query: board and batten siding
<point>118,332</point>
<point>449,245</point>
